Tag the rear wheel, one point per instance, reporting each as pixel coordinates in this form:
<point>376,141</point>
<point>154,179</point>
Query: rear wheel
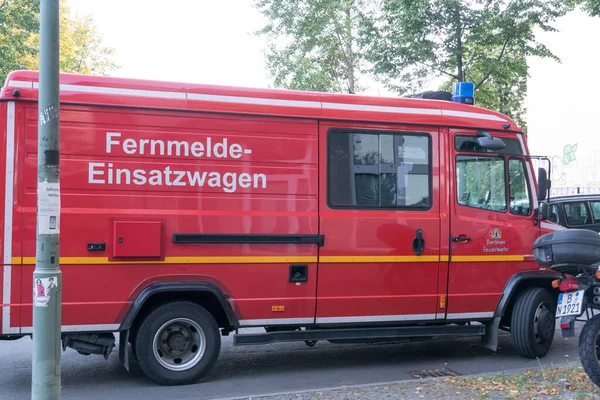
<point>177,343</point>
<point>533,322</point>
<point>589,349</point>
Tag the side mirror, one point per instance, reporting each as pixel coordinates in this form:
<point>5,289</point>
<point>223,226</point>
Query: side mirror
<point>543,184</point>
<point>491,143</point>
<point>543,211</point>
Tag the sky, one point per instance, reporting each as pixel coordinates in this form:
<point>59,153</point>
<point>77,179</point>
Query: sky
<point>208,41</point>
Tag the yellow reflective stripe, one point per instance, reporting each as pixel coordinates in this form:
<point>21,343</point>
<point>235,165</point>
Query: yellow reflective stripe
<point>178,260</point>
<point>488,258</point>
<point>383,259</point>
<point>279,259</point>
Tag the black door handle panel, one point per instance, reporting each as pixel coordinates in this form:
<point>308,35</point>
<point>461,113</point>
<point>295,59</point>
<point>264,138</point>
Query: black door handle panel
<point>461,238</point>
<point>418,243</point>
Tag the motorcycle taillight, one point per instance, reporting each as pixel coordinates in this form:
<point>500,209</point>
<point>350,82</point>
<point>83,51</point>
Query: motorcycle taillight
<point>569,285</point>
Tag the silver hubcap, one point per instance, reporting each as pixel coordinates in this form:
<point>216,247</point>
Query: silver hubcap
<point>179,344</point>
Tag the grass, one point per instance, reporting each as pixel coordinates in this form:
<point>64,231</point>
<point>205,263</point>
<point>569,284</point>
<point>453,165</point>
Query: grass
<point>555,382</point>
<point>564,382</point>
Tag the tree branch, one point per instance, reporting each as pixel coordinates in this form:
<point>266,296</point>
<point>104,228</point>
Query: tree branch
<point>486,77</point>
<point>438,70</point>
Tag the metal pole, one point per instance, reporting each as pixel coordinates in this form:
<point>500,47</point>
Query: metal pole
<point>47,278</point>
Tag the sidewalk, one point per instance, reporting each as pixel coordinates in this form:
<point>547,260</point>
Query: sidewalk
<point>564,382</point>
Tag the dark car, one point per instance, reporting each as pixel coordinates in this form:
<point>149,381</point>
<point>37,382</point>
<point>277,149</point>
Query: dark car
<point>576,211</point>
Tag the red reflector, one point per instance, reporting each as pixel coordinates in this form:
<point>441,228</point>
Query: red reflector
<point>569,285</point>
<point>564,326</point>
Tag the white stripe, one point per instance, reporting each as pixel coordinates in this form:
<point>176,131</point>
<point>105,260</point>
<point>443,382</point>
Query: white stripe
<point>276,321</point>
<point>80,328</point>
<point>389,109</point>
<point>552,226</point>
<point>530,173</point>
<point>254,100</point>
<point>466,114</point>
<point>21,84</point>
<point>263,101</point>
<point>472,315</point>
<point>121,91</point>
<point>8,214</point>
<point>376,318</point>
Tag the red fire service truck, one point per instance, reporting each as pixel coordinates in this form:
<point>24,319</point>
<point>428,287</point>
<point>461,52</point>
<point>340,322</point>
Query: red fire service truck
<point>188,212</point>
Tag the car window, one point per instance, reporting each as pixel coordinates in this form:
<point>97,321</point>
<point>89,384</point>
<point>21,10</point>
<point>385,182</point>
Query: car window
<point>554,215</point>
<point>481,182</point>
<point>577,213</point>
<point>520,202</point>
<point>595,210</point>
<point>379,169</point>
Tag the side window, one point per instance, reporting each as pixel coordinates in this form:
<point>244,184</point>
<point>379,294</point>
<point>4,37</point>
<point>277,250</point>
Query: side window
<point>520,201</point>
<point>596,210</point>
<point>554,214</point>
<point>373,169</point>
<point>577,213</point>
<point>481,182</point>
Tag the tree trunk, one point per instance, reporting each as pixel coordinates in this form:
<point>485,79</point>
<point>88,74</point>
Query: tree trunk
<point>459,50</point>
<point>348,39</point>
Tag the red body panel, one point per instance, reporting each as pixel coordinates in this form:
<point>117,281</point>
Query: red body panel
<point>142,161</point>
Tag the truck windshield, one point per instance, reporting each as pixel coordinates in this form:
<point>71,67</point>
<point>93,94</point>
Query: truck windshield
<point>481,183</point>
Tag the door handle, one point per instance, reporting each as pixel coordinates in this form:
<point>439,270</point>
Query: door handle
<point>461,238</point>
<point>419,242</point>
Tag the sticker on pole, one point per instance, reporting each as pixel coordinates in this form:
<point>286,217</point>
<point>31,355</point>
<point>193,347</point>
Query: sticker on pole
<point>48,208</point>
<point>43,289</point>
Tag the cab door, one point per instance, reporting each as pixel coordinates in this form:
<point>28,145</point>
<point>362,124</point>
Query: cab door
<point>379,213</point>
<point>492,223</point>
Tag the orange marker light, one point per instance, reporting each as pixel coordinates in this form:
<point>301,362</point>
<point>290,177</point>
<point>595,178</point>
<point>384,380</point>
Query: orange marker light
<point>556,283</point>
<point>598,274</point>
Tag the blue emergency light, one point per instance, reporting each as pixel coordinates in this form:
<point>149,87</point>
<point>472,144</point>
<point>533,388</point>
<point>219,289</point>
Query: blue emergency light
<point>463,92</point>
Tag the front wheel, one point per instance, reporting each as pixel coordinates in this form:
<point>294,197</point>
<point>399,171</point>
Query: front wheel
<point>589,349</point>
<point>533,322</point>
<point>177,343</point>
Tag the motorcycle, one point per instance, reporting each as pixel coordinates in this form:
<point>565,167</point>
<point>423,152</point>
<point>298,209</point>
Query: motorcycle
<point>575,255</point>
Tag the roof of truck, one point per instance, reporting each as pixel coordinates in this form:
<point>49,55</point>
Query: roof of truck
<point>126,92</point>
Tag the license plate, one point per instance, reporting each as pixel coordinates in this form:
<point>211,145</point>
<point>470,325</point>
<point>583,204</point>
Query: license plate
<point>570,304</point>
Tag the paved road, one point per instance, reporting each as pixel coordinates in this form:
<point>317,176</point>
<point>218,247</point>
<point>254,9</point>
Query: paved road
<point>254,370</point>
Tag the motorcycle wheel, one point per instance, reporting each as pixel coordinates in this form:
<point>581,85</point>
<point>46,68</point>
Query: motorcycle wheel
<point>589,349</point>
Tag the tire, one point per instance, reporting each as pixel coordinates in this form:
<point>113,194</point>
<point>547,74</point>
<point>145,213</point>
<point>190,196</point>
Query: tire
<point>533,322</point>
<point>177,343</point>
<point>589,340</point>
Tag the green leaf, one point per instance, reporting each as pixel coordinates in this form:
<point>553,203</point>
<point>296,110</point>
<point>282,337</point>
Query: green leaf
<point>574,148</point>
<point>81,48</point>
<point>313,44</point>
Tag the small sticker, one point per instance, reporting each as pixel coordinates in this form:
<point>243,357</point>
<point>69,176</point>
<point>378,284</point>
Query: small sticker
<point>48,208</point>
<point>43,288</point>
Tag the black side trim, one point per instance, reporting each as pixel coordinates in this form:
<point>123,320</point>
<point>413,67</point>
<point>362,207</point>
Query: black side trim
<point>164,287</point>
<point>358,333</point>
<point>516,279</point>
<point>241,238</point>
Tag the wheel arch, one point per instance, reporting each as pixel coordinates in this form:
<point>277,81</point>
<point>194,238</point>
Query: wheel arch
<point>204,294</point>
<point>516,284</point>
<point>519,282</point>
